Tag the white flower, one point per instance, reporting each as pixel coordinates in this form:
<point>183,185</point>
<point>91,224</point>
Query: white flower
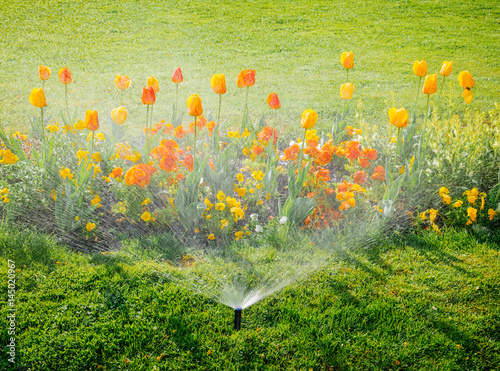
<point>283,220</point>
<point>259,229</point>
<point>253,217</point>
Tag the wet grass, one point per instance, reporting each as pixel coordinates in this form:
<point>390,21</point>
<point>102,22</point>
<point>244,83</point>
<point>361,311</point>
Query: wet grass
<point>293,45</point>
<point>413,302</point>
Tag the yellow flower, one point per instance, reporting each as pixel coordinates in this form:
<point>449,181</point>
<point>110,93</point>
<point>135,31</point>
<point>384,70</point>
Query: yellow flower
<point>472,195</point>
<point>211,236</point>
<point>82,154</point>
<point>220,206</point>
<point>90,226</point>
<point>223,223</point>
<point>238,235</point>
<point>240,177</point>
<point>208,217</point>
<point>492,213</point>
<point>119,115</point>
<point>238,213</point>
<point>458,203</point>
<point>221,196</point>
<point>483,196</point>
<point>246,151</point>
<point>9,158</point>
<point>52,128</point>
<point>208,204</point>
<point>97,157</point>
<point>77,218</point>
<point>443,191</point>
<point>446,199</point>
<point>4,191</point>
<point>96,200</point>
<point>346,91</point>
<point>66,173</point>
<point>260,202</point>
<point>472,213</point>
<point>80,125</point>
<point>20,136</point>
<point>146,216</point>
<point>147,201</point>
<point>241,192</point>
<point>432,215</point>
<point>308,119</point>
<point>233,134</point>
<point>258,175</point>
<point>196,230</point>
<point>101,137</point>
<point>436,228</point>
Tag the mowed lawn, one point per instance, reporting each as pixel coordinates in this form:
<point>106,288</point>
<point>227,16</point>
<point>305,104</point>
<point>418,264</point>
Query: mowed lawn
<point>293,45</point>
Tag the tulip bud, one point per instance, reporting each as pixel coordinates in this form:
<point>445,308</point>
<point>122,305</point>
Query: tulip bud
<point>465,80</point>
<point>446,68</point>
<point>194,105</point>
<point>398,118</point>
<point>177,76</point>
<point>44,72</point>
<point>430,84</point>
<point>467,94</point>
<point>218,82</point>
<point>246,78</point>
<point>91,120</point>
<point>122,82</point>
<point>152,82</point>
<point>148,95</point>
<point>347,60</point>
<point>65,75</point>
<point>308,119</point>
<point>346,91</point>
<point>119,115</point>
<point>273,101</point>
<point>420,68</point>
<point>37,98</point>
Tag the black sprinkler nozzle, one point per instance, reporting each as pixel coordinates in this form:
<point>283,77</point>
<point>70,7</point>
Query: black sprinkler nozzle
<point>237,318</point>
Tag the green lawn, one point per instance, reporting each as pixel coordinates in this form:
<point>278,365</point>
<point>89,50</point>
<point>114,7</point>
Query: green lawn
<point>415,302</point>
<point>293,45</point>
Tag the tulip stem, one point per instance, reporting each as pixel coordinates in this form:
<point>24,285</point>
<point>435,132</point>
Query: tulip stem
<point>426,110</point>
<point>216,134</point>
<point>246,107</point>
<point>147,121</point>
<point>43,134</point>
<point>176,98</point>
<point>303,148</point>
<point>194,144</point>
<point>416,98</point>
<point>92,145</point>
<point>275,116</point>
<point>66,95</point>
<point>347,77</point>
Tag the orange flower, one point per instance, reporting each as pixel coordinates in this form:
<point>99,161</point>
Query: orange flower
<point>210,127</point>
<point>273,101</point>
<point>324,157</point>
<point>467,94</point>
<point>188,162</point>
<point>91,120</point>
<point>218,82</point>
<point>430,84</point>
<point>369,153</point>
<point>194,105</point>
<point>323,175</point>
<point>465,80</point>
<point>169,129</point>
<point>446,68</point>
<point>291,153</point>
<point>148,95</point>
<point>308,119</point>
<point>119,115</point>
<point>347,60</point>
<point>266,133</point>
<point>246,78</point>
<point>179,132</point>
<point>168,163</point>
<point>398,118</point>
<point>43,72</point>
<point>152,82</point>
<point>140,175</point>
<point>352,150</point>
<point>346,91</point>
<point>116,172</point>
<point>360,177</point>
<point>257,149</point>
<point>363,162</point>
<point>65,75</point>
<point>420,68</point>
<point>122,82</point>
<point>311,151</point>
<point>37,98</point>
<point>379,174</point>
<point>177,76</point>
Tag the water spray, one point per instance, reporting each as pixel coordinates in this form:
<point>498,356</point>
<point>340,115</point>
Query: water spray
<point>237,318</point>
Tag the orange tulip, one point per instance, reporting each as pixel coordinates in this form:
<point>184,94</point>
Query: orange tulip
<point>430,84</point>
<point>65,75</point>
<point>177,76</point>
<point>246,78</point>
<point>398,118</point>
<point>465,79</point>
<point>43,72</point>
<point>446,68</point>
<point>346,91</point>
<point>148,95</point>
<point>467,94</point>
<point>91,120</point>
<point>420,68</point>
<point>152,82</point>
<point>308,119</point>
<point>273,101</point>
<point>119,115</point>
<point>218,82</point>
<point>122,82</point>
<point>37,98</point>
<point>347,60</point>
<point>194,105</point>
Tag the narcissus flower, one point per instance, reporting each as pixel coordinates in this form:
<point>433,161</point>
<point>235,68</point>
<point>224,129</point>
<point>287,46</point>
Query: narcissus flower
<point>465,80</point>
<point>43,72</point>
<point>119,115</point>
<point>91,120</point>
<point>467,94</point>
<point>430,84</point>
<point>420,68</point>
<point>347,60</point>
<point>273,101</point>
<point>308,119</point>
<point>37,98</point>
<point>446,68</point>
<point>194,105</point>
<point>346,91</point>
<point>218,83</point>
<point>148,95</point>
<point>177,76</point>
<point>246,78</point>
<point>152,82</point>
<point>398,117</point>
<point>122,82</point>
<point>65,75</point>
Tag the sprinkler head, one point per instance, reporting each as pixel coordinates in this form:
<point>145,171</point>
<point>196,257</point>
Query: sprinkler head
<point>237,318</point>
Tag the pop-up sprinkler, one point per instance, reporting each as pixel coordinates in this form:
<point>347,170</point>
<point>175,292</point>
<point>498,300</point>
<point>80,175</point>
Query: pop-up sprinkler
<point>237,318</point>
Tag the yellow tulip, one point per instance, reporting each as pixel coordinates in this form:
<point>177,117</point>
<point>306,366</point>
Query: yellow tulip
<point>43,72</point>
<point>194,105</point>
<point>446,68</point>
<point>420,68</point>
<point>398,118</point>
<point>37,98</point>
<point>430,84</point>
<point>308,119</point>
<point>346,91</point>
<point>119,115</point>
<point>154,83</point>
<point>467,94</point>
<point>218,83</point>
<point>465,80</point>
<point>347,60</point>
